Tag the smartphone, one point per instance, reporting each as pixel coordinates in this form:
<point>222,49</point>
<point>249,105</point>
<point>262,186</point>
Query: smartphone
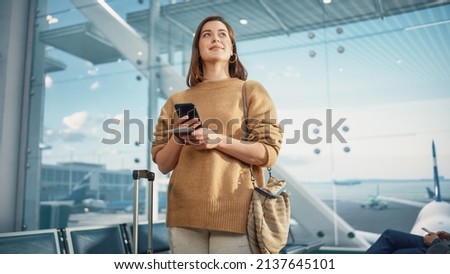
<point>426,230</point>
<point>184,109</point>
<point>187,109</point>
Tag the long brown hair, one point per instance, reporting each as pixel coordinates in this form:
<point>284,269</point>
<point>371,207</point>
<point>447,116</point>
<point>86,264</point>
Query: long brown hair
<point>195,74</point>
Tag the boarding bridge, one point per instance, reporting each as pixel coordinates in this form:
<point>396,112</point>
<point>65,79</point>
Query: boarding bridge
<point>316,220</point>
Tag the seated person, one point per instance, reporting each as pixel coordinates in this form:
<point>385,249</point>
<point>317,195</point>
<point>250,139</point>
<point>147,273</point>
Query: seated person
<point>393,241</point>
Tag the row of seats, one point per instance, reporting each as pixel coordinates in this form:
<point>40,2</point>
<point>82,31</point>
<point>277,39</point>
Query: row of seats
<point>113,239</point>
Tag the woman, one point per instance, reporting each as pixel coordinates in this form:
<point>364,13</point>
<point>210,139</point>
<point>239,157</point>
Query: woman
<point>210,186</point>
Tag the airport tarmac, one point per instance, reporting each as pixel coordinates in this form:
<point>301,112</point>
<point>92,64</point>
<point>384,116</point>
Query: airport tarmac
<point>396,216</point>
<point>348,205</point>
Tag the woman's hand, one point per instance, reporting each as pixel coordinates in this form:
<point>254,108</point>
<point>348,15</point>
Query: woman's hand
<point>204,138</point>
<point>167,158</point>
<point>251,153</point>
<point>184,122</point>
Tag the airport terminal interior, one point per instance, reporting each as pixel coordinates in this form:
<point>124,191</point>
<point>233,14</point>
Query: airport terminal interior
<point>361,89</point>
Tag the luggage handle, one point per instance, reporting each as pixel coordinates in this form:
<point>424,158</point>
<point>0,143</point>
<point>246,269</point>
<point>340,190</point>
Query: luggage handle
<point>150,176</point>
<point>143,174</point>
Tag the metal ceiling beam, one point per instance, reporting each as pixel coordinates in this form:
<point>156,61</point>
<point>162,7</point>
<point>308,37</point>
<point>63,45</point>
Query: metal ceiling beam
<point>379,7</point>
<point>274,16</point>
<point>127,41</point>
<point>189,6</point>
<point>178,24</point>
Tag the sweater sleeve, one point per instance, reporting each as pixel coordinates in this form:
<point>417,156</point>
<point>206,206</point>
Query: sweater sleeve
<point>165,121</point>
<point>262,120</point>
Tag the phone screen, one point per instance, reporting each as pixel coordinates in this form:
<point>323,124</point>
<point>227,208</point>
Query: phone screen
<point>187,109</point>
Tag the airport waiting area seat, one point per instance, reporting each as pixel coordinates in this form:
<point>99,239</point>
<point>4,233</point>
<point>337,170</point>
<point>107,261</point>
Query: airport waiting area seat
<point>97,240</point>
<point>115,239</point>
<point>160,239</point>
<point>300,247</point>
<point>45,241</point>
<point>299,241</point>
<point>109,239</point>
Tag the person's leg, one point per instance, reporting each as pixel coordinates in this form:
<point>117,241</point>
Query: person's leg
<point>188,240</point>
<point>393,241</point>
<point>228,243</point>
<point>413,250</point>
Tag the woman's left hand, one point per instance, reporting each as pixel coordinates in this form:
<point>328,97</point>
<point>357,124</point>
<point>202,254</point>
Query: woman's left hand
<point>204,138</point>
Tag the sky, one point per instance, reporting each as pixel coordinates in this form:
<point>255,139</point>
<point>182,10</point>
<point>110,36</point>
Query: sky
<point>390,84</point>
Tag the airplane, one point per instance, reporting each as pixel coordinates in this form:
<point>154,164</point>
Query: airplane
<point>316,218</point>
<point>374,202</point>
<point>432,195</point>
<point>79,199</point>
<point>347,182</point>
<point>127,205</point>
<point>434,215</point>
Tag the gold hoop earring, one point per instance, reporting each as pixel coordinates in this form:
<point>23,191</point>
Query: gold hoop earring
<point>235,58</point>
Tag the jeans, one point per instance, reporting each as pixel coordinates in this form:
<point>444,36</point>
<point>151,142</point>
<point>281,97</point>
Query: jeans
<point>398,242</point>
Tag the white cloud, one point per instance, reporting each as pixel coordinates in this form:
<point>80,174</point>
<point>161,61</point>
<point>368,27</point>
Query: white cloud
<point>119,116</point>
<point>75,121</point>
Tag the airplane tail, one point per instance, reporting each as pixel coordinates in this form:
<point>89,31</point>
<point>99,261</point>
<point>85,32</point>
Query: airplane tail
<point>437,187</point>
<point>79,190</point>
<point>430,193</point>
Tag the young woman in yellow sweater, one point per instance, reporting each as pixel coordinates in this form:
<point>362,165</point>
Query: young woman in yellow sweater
<point>210,185</point>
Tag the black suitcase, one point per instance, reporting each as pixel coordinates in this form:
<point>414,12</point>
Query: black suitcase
<point>137,176</point>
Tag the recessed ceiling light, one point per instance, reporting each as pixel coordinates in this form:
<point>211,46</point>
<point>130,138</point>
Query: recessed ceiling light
<point>243,21</point>
<point>327,1</point>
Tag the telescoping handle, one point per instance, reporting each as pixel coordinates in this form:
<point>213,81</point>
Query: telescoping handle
<point>143,174</point>
<point>150,176</point>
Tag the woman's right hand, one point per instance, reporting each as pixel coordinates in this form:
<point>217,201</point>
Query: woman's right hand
<point>184,122</point>
<point>167,158</point>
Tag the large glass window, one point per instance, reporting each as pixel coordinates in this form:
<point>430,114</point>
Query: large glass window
<point>361,100</point>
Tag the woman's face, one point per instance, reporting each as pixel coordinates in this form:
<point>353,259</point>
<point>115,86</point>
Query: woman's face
<point>215,42</point>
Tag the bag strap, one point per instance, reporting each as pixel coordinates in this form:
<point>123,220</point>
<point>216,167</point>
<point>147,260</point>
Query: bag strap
<point>245,108</point>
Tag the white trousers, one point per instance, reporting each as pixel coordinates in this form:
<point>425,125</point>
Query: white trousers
<point>202,241</point>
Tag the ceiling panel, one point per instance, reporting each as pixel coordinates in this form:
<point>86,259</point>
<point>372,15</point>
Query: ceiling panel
<point>265,18</point>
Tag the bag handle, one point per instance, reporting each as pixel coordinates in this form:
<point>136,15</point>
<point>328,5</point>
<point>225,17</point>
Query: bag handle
<point>245,108</point>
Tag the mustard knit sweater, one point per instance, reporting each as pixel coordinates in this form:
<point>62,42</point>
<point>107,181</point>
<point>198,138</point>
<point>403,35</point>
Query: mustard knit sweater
<point>209,189</point>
